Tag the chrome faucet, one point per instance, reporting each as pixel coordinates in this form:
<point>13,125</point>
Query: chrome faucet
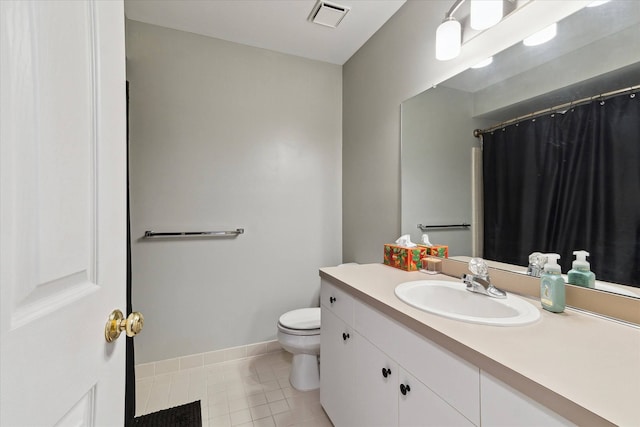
<point>479,281</point>
<point>482,285</point>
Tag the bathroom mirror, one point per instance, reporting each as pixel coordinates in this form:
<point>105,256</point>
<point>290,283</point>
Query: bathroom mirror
<point>596,50</point>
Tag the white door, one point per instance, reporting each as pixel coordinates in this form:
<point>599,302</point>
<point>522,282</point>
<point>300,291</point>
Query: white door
<point>62,212</point>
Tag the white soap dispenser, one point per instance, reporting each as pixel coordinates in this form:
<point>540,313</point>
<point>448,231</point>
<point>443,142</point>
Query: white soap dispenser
<point>552,293</point>
<point>580,274</point>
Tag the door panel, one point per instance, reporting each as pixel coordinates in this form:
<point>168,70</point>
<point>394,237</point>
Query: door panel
<point>420,406</point>
<point>62,211</point>
<point>337,353</point>
<point>81,414</point>
<point>376,393</point>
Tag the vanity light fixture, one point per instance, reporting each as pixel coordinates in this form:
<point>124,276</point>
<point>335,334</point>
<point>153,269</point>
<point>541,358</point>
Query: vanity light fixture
<point>541,36</point>
<point>448,39</point>
<point>484,14</point>
<point>483,63</point>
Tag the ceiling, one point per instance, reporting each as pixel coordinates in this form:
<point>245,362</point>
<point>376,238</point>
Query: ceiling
<point>279,25</point>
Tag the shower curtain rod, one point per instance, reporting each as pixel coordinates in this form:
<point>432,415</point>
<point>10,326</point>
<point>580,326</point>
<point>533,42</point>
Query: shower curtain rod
<point>479,132</point>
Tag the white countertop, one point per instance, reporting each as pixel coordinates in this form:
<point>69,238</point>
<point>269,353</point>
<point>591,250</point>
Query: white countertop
<point>584,367</point>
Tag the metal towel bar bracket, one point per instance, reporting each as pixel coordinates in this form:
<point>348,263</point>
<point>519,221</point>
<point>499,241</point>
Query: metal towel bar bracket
<point>428,227</point>
<point>180,234</point>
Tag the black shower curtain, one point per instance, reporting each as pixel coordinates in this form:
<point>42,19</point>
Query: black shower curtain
<point>565,182</point>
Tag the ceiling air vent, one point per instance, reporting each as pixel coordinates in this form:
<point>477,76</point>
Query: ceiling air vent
<point>327,14</point>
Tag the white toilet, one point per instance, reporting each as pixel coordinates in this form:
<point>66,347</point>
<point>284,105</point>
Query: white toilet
<point>299,334</point>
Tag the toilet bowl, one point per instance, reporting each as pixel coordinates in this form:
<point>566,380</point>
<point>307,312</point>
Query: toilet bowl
<point>299,334</point>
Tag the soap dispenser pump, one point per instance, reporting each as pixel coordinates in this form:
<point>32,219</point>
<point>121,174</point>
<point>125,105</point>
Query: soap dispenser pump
<point>552,293</point>
<point>580,275</point>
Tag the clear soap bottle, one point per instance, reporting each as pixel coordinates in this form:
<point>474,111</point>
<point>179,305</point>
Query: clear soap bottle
<point>580,274</point>
<point>552,293</point>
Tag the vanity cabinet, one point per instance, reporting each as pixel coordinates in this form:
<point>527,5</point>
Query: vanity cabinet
<point>457,373</point>
<point>453,379</point>
<point>363,379</point>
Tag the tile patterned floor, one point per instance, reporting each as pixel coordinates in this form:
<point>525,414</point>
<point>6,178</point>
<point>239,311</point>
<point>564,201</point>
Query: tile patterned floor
<point>251,392</point>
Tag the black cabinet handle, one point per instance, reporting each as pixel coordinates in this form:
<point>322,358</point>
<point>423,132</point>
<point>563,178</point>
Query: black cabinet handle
<point>404,389</point>
<point>345,336</point>
<point>332,300</point>
<point>386,372</point>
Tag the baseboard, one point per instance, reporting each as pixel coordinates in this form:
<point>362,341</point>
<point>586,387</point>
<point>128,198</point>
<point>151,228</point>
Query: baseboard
<point>191,361</point>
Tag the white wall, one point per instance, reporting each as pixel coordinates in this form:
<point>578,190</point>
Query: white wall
<point>224,136</point>
<point>397,63</point>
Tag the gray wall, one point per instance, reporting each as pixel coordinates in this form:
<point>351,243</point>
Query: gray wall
<point>388,69</point>
<point>397,63</point>
<point>436,165</point>
<point>223,136</point>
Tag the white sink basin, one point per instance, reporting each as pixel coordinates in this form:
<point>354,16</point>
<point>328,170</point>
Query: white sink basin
<point>452,300</point>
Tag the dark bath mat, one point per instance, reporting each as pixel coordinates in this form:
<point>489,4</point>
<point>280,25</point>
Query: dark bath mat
<point>188,415</point>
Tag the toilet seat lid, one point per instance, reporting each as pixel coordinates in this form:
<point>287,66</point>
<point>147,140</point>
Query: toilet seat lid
<point>301,319</point>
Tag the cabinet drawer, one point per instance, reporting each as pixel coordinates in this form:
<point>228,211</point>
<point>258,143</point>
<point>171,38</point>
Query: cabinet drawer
<point>337,301</point>
<point>452,378</point>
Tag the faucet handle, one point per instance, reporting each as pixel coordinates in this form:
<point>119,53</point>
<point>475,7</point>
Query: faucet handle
<point>534,257</point>
<point>537,262</point>
<point>479,267</point>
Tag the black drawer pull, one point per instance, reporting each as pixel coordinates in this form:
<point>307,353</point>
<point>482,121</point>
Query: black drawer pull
<point>332,300</point>
<point>404,389</point>
<point>345,336</point>
<point>386,372</point>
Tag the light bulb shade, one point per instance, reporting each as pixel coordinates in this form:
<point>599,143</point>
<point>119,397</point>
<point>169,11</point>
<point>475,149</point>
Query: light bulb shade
<point>485,13</point>
<point>483,63</point>
<point>448,40</point>
<point>541,36</point>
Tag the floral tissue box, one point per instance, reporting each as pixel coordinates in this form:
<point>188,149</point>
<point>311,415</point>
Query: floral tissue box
<point>404,258</point>
<point>441,251</point>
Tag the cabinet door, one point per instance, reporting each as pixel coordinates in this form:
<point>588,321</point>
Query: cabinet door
<point>337,364</point>
<point>419,406</point>
<point>376,390</point>
<point>502,405</point>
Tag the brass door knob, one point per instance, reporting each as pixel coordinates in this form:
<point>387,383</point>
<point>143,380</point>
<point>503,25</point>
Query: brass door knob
<point>116,323</point>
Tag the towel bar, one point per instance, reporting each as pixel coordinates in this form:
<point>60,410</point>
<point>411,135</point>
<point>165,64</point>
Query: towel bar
<point>173,234</point>
<point>427,227</point>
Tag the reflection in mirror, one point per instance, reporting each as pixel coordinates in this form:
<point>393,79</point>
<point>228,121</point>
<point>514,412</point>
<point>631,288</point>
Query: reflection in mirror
<point>597,50</point>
